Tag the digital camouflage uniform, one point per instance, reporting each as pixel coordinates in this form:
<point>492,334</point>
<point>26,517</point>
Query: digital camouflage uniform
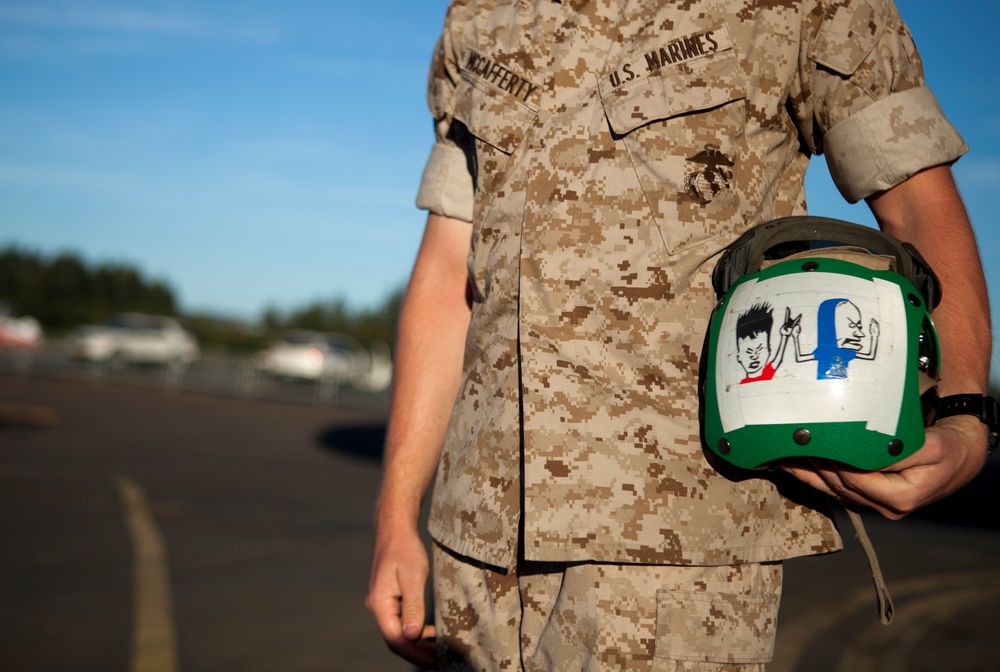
<point>606,152</point>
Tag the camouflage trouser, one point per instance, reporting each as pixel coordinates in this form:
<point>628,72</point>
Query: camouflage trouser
<point>590,616</point>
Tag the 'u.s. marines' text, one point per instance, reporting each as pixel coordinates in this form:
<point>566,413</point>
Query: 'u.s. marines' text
<point>677,51</point>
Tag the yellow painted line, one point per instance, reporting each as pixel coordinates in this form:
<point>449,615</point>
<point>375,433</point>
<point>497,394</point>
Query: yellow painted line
<point>154,643</point>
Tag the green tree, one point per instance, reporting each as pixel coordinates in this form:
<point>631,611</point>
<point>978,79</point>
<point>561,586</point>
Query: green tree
<point>65,291</point>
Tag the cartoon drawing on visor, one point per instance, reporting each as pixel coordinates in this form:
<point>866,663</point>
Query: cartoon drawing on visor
<point>753,342</point>
<point>840,339</point>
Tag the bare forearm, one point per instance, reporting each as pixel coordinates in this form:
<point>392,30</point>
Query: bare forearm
<point>429,348</point>
<point>432,327</point>
<point>927,211</point>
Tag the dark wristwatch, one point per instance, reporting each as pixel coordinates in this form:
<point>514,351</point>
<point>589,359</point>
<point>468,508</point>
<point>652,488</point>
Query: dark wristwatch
<point>984,407</point>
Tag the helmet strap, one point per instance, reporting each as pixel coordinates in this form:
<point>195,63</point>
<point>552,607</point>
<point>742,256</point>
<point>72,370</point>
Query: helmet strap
<point>885,608</point>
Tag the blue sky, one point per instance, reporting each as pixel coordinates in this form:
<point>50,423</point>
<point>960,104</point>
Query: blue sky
<point>258,154</point>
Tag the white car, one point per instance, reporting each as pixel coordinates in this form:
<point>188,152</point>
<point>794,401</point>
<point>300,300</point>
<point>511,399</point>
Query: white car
<point>133,338</point>
<point>20,333</point>
<point>378,376</point>
<point>313,356</point>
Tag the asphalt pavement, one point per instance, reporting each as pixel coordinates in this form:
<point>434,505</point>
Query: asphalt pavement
<point>226,533</point>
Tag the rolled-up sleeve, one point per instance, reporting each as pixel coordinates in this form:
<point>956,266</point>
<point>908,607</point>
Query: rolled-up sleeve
<point>446,187</point>
<point>889,141</point>
<point>864,101</point>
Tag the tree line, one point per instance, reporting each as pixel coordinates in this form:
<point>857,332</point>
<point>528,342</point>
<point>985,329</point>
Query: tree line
<point>63,291</point>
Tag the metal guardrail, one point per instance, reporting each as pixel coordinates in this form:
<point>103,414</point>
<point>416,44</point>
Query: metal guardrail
<point>223,375</point>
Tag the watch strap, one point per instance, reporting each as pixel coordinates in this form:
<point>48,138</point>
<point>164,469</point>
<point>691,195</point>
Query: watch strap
<point>982,406</point>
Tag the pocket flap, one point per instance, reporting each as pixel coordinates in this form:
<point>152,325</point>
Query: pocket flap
<point>669,90</point>
<point>715,627</point>
<point>848,35</point>
<point>491,113</point>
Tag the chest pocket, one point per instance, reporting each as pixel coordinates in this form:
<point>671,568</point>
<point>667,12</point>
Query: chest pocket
<point>497,119</point>
<point>682,120</point>
<point>492,116</point>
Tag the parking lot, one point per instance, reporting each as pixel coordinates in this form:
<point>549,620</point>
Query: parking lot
<point>221,374</point>
<point>150,522</point>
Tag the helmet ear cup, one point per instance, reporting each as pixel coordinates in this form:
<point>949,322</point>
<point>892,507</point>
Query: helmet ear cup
<point>828,353</point>
<point>928,365</point>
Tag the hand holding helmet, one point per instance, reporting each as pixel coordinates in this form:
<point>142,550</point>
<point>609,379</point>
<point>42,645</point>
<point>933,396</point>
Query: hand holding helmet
<point>860,379</point>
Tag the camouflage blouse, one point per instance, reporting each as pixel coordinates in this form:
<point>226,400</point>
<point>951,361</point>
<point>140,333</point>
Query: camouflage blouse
<point>605,153</point>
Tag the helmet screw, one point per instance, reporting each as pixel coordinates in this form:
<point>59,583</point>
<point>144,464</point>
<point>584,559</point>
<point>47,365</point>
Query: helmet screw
<point>802,436</point>
<point>895,447</point>
<point>913,299</point>
<point>810,266</point>
<point>724,446</point>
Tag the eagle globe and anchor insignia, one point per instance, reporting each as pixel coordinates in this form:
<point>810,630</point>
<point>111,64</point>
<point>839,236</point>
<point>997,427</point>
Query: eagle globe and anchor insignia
<point>704,184</point>
<point>817,355</point>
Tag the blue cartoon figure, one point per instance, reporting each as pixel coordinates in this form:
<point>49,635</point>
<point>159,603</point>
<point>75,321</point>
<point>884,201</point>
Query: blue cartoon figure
<point>840,339</point>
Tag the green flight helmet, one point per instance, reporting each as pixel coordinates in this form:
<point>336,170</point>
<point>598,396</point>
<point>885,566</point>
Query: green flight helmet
<point>822,345</point>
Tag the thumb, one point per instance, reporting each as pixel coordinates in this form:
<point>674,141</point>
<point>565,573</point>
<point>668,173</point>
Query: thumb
<point>412,612</point>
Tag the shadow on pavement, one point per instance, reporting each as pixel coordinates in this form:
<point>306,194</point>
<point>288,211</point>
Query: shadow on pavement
<point>365,441</point>
<point>27,415</point>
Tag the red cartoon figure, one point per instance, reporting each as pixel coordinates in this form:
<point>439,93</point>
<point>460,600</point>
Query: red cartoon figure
<point>753,341</point>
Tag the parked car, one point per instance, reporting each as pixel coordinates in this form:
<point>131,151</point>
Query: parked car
<point>134,338</point>
<point>313,356</point>
<point>378,376</point>
<point>20,333</point>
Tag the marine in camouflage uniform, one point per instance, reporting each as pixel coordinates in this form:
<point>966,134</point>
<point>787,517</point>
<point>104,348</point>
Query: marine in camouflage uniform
<point>605,153</point>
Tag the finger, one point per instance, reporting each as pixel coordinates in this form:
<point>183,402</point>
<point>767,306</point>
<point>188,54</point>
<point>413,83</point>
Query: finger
<point>421,652</point>
<point>386,610</point>
<point>847,483</point>
<point>385,600</point>
<point>807,475</point>
<point>831,482</point>
<point>882,491</point>
<point>893,494</point>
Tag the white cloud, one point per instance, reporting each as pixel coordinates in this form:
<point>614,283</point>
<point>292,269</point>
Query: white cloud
<point>49,177</point>
<point>101,19</point>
